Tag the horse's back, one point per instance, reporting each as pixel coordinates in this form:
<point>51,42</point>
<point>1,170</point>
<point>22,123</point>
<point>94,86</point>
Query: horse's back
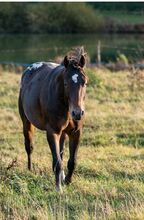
<point>39,69</point>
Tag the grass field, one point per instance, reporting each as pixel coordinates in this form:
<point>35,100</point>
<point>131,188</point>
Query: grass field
<point>109,179</point>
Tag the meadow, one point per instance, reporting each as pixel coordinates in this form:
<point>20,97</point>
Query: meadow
<point>108,182</point>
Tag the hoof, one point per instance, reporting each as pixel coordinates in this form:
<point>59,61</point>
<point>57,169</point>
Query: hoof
<point>67,180</point>
<point>59,189</point>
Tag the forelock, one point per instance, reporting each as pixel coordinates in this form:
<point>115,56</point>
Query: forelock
<point>75,54</point>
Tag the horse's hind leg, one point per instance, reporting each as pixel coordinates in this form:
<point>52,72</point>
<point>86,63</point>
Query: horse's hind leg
<point>28,131</point>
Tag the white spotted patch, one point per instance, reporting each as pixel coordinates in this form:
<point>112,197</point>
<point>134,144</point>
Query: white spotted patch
<point>74,78</point>
<point>35,66</point>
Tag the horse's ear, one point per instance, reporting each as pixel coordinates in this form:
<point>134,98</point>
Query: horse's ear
<point>82,61</point>
<point>66,61</point>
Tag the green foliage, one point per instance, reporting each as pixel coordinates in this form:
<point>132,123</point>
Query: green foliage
<point>117,6</point>
<point>49,18</point>
<point>13,18</point>
<point>67,17</point>
<point>121,58</point>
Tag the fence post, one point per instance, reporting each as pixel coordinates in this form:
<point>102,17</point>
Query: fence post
<point>99,54</point>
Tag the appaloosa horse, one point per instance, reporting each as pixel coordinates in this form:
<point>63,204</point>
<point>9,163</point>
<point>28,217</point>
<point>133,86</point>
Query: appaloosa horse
<point>52,99</point>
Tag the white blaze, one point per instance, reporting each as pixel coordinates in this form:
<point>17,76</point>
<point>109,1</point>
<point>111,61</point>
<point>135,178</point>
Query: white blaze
<point>74,78</point>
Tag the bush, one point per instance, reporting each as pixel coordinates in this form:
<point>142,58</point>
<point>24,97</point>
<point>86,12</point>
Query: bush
<point>49,18</point>
<point>13,18</point>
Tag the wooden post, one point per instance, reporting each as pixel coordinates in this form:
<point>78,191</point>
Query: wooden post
<point>99,53</point>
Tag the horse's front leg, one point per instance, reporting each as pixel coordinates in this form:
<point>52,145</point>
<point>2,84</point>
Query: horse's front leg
<point>53,140</point>
<point>62,140</point>
<point>73,149</point>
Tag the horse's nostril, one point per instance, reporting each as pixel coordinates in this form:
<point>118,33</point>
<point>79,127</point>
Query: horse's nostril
<point>82,113</point>
<point>73,113</point>
<point>77,114</point>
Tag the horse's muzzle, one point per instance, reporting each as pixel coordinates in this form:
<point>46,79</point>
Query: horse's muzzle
<point>77,114</point>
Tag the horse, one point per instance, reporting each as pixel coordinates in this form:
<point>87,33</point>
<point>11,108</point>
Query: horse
<point>51,98</point>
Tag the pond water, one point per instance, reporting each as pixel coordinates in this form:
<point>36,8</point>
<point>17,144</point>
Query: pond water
<point>31,48</point>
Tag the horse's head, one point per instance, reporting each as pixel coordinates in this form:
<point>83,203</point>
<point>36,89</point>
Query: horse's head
<point>75,86</point>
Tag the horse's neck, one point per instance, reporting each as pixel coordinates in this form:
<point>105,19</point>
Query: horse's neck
<point>54,85</point>
<point>60,88</point>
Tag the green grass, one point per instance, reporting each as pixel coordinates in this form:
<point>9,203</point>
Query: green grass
<point>124,17</point>
<point>108,182</point>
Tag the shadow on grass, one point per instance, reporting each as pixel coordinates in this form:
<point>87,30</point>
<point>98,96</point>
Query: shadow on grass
<point>92,174</point>
<point>89,173</point>
<point>136,140</point>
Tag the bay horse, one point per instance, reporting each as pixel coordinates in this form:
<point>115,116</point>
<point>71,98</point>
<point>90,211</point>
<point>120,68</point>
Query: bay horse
<point>52,98</point>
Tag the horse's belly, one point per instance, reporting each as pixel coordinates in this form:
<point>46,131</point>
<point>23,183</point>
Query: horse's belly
<point>36,120</point>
